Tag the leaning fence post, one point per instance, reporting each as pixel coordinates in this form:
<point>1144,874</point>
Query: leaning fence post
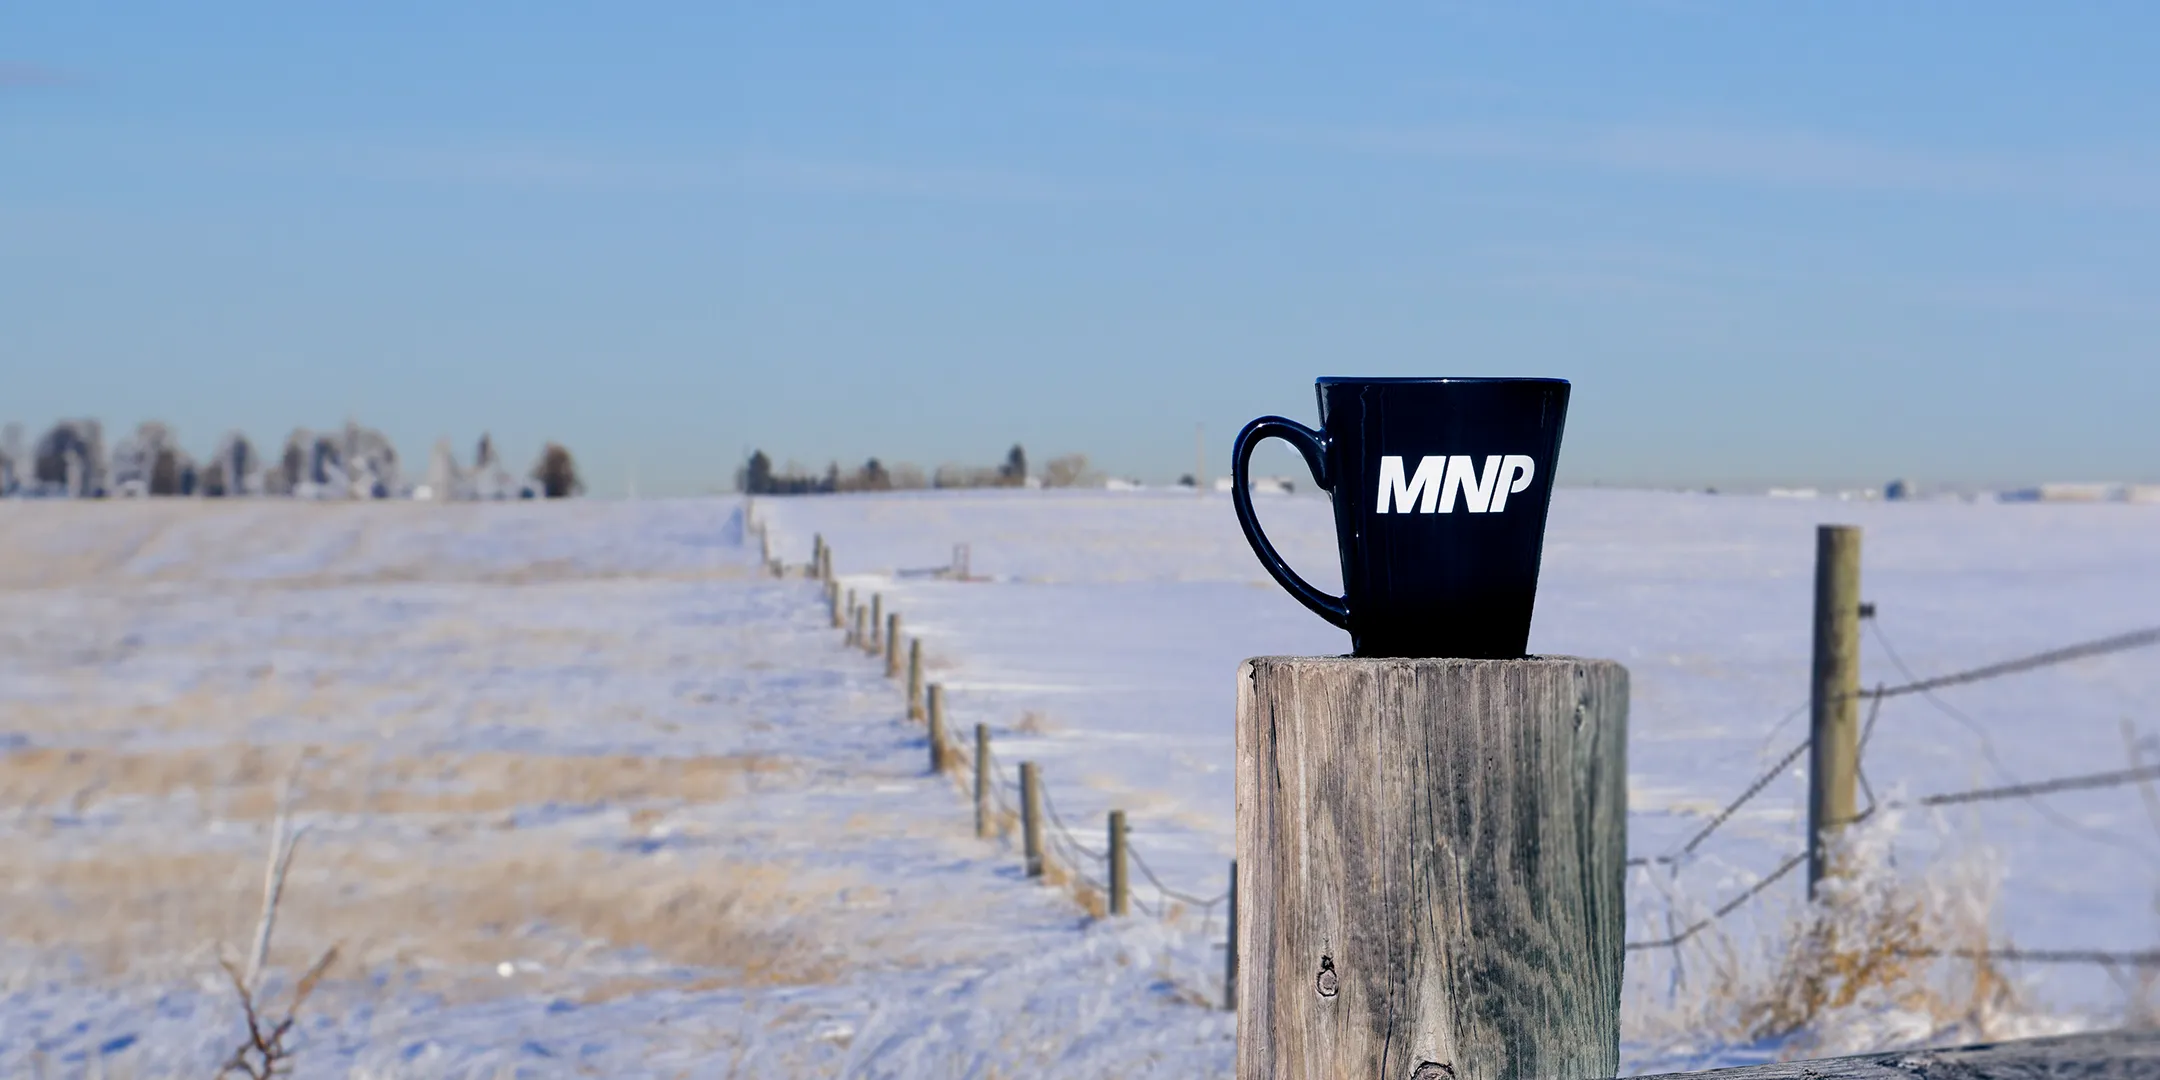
<point>1229,978</point>
<point>1437,851</point>
<point>1031,818</point>
<point>892,645</point>
<point>1834,694</point>
<point>914,679</point>
<point>1120,889</point>
<point>937,729</point>
<point>982,781</point>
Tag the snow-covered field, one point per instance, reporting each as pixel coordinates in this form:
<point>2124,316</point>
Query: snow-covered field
<point>583,796</point>
<point>586,794</point>
<point>1118,619</point>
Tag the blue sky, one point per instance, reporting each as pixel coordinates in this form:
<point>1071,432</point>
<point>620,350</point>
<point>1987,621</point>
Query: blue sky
<point>1824,243</point>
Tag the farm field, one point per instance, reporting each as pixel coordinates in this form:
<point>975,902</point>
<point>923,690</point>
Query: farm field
<point>1104,636</point>
<point>585,792</point>
<point>582,795</point>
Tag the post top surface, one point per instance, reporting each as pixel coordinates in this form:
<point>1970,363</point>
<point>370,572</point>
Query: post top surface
<point>1371,662</point>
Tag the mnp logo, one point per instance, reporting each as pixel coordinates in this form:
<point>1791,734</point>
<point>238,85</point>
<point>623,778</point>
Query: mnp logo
<point>1437,480</point>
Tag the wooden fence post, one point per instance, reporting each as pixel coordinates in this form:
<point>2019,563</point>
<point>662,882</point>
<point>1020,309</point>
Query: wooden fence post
<point>983,781</point>
<point>892,645</point>
<point>914,679</point>
<point>1031,818</point>
<point>832,597</point>
<point>1834,694</point>
<point>877,620</point>
<point>817,556</point>
<point>1437,851</point>
<point>937,730</point>
<point>1230,939</point>
<point>855,632</point>
<point>1120,889</point>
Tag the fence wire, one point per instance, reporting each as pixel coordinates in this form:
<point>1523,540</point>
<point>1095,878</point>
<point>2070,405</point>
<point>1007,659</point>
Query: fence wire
<point>2136,639</point>
<point>1074,853</point>
<point>2026,790</point>
<point>1727,908</point>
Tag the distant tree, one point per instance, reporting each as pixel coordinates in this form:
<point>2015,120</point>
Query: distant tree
<point>231,471</point>
<point>757,476</point>
<point>873,477</point>
<point>1066,470</point>
<point>1014,472</point>
<point>556,473</point>
<point>70,459</point>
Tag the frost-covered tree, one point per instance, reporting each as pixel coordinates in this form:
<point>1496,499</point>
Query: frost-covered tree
<point>370,463</point>
<point>489,479</point>
<point>446,479</point>
<point>151,462</point>
<point>13,464</point>
<point>234,470</point>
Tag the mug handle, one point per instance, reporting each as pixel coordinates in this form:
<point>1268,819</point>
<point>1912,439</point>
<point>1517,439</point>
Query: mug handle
<point>1313,445</point>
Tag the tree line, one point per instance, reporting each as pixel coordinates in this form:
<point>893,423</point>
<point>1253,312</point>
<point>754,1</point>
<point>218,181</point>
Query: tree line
<point>759,476</point>
<point>71,461</point>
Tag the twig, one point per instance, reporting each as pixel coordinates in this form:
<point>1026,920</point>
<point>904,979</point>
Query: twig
<point>283,839</point>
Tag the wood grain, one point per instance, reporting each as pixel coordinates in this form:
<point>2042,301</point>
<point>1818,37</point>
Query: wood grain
<point>2112,1055</point>
<point>1430,868</point>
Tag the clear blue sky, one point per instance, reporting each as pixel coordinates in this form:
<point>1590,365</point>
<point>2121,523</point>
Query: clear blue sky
<point>1802,242</point>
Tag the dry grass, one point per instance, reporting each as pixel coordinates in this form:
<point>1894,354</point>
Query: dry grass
<point>1881,958</point>
<point>452,900</point>
<point>238,781</point>
<point>449,909</point>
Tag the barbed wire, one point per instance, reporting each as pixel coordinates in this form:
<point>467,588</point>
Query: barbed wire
<point>1074,853</point>
<point>1727,908</point>
<point>2142,958</point>
<point>1058,823</point>
<point>2135,639</point>
<point>1726,814</point>
<point>2044,787</point>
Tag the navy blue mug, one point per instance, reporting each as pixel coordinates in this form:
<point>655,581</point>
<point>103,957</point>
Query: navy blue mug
<point>1440,489</point>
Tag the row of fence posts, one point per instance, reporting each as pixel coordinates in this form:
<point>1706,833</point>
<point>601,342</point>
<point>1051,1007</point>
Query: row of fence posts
<point>874,630</point>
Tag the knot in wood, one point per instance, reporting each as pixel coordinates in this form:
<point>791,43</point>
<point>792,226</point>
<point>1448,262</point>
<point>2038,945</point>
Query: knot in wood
<point>1326,981</point>
<point>1433,1070</point>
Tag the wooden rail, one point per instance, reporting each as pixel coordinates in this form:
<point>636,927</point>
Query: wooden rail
<point>2114,1055</point>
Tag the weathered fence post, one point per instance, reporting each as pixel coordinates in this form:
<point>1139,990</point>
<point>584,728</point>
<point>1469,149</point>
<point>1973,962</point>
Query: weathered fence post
<point>832,597</point>
<point>1120,889</point>
<point>1229,979</point>
<point>1834,694</point>
<point>892,645</point>
<point>1031,818</point>
<point>1431,857</point>
<point>817,556</point>
<point>914,679</point>
<point>937,730</point>
<point>855,631</point>
<point>877,620</point>
<point>983,780</point>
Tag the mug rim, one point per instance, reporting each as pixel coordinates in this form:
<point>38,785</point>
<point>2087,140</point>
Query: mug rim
<point>1332,379</point>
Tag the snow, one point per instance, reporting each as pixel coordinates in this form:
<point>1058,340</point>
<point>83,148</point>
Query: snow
<point>1121,619</point>
<point>847,920</point>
